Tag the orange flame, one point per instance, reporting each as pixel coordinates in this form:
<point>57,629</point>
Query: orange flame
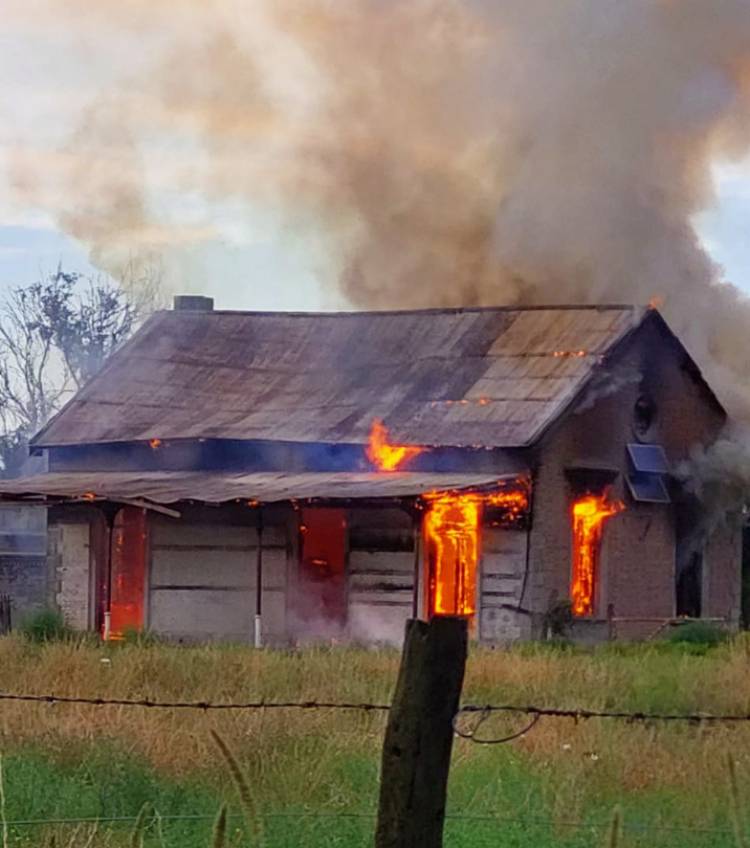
<point>589,514</point>
<point>575,353</point>
<point>514,501</point>
<point>451,529</point>
<point>384,455</point>
<point>656,302</point>
<point>155,444</point>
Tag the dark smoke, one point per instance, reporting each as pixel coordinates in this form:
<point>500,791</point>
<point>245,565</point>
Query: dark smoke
<point>449,153</point>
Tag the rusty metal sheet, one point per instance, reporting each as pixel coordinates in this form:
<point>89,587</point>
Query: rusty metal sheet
<point>324,377</point>
<point>173,487</point>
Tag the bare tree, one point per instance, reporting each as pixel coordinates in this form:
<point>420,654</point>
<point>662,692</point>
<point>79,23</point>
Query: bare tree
<point>54,336</point>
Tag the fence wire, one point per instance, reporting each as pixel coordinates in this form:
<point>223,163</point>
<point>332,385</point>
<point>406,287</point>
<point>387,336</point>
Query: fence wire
<point>526,821</point>
<point>479,712</point>
<point>575,713</point>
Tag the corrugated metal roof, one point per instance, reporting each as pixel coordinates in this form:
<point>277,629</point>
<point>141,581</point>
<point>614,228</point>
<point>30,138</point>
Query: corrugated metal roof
<point>489,377</point>
<point>169,487</point>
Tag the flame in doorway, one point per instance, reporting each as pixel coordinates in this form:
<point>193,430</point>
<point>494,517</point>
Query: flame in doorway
<point>452,523</point>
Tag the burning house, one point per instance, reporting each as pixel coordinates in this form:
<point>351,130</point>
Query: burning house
<point>279,477</point>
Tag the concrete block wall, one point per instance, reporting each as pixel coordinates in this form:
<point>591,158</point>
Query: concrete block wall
<point>70,565</point>
<point>23,563</point>
<point>26,580</point>
<point>202,580</point>
<point>501,585</point>
<point>380,574</point>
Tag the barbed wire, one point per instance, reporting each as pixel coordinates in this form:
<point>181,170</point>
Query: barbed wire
<point>471,732</point>
<point>583,714</point>
<point>575,713</point>
<point>205,706</point>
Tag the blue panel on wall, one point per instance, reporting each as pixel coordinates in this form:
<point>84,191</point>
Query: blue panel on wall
<point>649,459</point>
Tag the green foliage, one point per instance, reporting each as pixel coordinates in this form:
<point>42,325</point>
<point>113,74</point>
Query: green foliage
<point>558,620</point>
<point>54,336</point>
<point>701,634</point>
<point>46,626</point>
<point>496,801</point>
<point>107,784</point>
<point>139,638</point>
<point>85,322</point>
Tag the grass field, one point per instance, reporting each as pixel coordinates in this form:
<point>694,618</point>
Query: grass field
<point>313,775</point>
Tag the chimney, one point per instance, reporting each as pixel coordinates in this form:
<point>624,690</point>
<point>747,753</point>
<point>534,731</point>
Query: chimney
<point>193,303</point>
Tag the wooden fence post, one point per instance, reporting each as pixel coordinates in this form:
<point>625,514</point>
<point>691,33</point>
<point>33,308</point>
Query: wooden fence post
<point>419,734</point>
<point>5,615</point>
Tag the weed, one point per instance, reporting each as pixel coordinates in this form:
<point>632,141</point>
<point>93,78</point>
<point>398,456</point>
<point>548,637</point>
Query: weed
<point>699,634</point>
<point>46,626</point>
<point>220,828</point>
<point>615,829</point>
<point>249,806</point>
<point>141,823</point>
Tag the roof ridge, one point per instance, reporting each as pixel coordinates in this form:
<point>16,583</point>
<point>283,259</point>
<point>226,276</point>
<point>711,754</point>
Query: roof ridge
<point>437,310</point>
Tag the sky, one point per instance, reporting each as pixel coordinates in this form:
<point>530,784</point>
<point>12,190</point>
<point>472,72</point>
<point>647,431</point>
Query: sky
<point>55,60</point>
<point>245,259</point>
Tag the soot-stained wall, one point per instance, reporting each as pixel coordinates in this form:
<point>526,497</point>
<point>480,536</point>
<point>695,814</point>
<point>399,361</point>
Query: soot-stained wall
<point>637,559</point>
<point>24,574</point>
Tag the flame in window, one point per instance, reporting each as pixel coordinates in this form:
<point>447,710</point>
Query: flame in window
<point>589,515</point>
<point>452,524</point>
<point>384,455</point>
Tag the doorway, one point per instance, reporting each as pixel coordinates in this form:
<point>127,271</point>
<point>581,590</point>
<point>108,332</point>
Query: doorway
<point>689,544</point>
<point>321,598</point>
<point>128,574</point>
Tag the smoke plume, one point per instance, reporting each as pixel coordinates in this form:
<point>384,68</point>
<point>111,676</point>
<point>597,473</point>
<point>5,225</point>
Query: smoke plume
<point>447,153</point>
<point>719,477</point>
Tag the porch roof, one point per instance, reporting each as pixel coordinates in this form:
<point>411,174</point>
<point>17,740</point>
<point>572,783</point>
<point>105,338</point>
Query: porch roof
<point>170,487</point>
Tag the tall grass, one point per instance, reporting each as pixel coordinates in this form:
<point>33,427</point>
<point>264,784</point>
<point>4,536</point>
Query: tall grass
<point>300,762</point>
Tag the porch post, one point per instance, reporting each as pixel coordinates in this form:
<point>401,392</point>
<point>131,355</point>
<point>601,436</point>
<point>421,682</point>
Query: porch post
<point>109,511</point>
<point>417,577</point>
<point>258,632</point>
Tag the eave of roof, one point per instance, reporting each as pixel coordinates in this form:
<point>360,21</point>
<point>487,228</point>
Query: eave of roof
<point>170,487</point>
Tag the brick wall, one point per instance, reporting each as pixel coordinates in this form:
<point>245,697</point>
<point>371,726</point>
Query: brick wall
<point>721,585</point>
<point>637,566</point>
